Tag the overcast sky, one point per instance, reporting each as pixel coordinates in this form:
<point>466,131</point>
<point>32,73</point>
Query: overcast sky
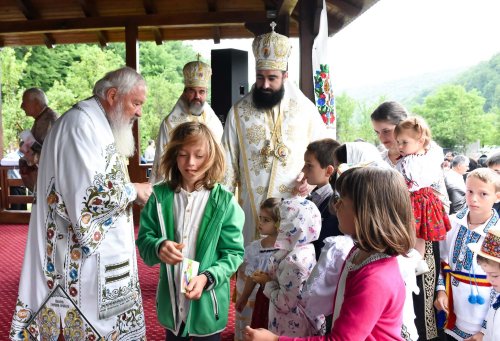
<point>395,39</point>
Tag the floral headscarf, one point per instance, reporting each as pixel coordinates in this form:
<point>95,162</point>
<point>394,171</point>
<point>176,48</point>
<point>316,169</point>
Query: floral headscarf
<point>300,223</point>
<point>364,152</point>
<point>361,154</point>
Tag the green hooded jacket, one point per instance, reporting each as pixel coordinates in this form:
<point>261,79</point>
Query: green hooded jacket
<point>219,249</point>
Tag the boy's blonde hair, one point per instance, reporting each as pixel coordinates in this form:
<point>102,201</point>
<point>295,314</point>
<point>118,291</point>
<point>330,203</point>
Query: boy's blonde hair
<point>383,215</point>
<point>486,175</point>
<point>418,128</point>
<point>185,134</point>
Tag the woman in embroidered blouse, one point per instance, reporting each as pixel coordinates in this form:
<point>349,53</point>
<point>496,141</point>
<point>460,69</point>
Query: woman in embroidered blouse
<point>384,119</point>
<point>381,224</point>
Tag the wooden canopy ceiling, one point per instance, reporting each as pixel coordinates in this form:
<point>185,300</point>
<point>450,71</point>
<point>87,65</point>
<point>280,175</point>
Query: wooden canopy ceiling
<point>49,22</point>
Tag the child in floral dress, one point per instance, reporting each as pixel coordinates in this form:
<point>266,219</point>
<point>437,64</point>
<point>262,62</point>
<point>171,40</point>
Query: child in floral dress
<point>421,169</point>
<point>290,267</point>
<point>256,261</point>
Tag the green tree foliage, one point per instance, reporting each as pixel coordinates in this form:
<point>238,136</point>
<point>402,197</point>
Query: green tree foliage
<point>165,60</point>
<point>353,119</point>
<point>492,129</point>
<point>80,81</point>
<point>456,117</point>
<point>485,78</point>
<point>161,66</point>
<point>345,107</point>
<point>162,96</point>
<point>45,66</point>
<point>13,118</point>
<point>67,74</point>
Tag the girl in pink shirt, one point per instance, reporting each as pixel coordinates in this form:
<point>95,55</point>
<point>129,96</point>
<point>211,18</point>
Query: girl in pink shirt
<point>370,295</point>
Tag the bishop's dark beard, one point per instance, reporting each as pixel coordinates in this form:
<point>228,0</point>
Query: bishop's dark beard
<point>267,100</point>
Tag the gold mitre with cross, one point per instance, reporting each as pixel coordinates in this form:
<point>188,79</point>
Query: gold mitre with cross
<point>197,74</point>
<point>271,51</point>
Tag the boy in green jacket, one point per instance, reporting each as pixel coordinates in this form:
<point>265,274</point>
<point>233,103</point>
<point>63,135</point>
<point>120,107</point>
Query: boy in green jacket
<point>191,217</point>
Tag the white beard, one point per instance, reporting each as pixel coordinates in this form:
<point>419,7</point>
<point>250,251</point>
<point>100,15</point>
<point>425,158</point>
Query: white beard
<point>196,109</point>
<point>192,108</point>
<point>122,132</point>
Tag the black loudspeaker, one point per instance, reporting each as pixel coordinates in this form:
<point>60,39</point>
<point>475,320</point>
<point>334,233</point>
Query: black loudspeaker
<point>229,79</point>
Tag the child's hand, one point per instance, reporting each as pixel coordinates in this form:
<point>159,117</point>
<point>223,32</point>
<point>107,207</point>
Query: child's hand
<point>144,190</point>
<point>170,253</point>
<point>260,334</point>
<point>441,302</point>
<point>195,287</point>
<point>476,337</point>
<point>261,277</point>
<point>240,304</point>
<point>302,188</point>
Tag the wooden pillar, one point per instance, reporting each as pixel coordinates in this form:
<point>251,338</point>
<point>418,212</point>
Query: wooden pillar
<point>283,26</point>
<point>308,23</point>
<point>132,47</point>
<point>132,60</point>
<point>136,171</point>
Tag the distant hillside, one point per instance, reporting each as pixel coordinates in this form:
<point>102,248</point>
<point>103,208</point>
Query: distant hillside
<point>404,90</point>
<point>484,77</point>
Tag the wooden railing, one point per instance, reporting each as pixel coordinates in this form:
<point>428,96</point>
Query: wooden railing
<point>7,199</point>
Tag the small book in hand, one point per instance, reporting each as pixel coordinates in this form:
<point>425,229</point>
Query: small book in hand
<point>189,270</point>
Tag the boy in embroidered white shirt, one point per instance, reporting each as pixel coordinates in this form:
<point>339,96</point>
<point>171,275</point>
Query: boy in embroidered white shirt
<point>467,289</point>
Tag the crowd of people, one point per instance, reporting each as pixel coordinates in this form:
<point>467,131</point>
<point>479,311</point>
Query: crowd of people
<point>328,240</point>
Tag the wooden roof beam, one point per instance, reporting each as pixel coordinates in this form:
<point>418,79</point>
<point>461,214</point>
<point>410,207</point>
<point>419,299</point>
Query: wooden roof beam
<point>49,41</point>
<point>149,6</point>
<point>31,13</point>
<point>287,6</point>
<point>212,5</point>
<point>90,10</point>
<point>28,10</point>
<point>335,24</point>
<point>103,39</point>
<point>348,8</point>
<point>216,33</point>
<point>278,11</point>
<point>162,20</point>
<point>158,36</point>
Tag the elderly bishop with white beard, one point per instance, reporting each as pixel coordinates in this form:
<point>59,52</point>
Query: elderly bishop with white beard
<point>79,275</point>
